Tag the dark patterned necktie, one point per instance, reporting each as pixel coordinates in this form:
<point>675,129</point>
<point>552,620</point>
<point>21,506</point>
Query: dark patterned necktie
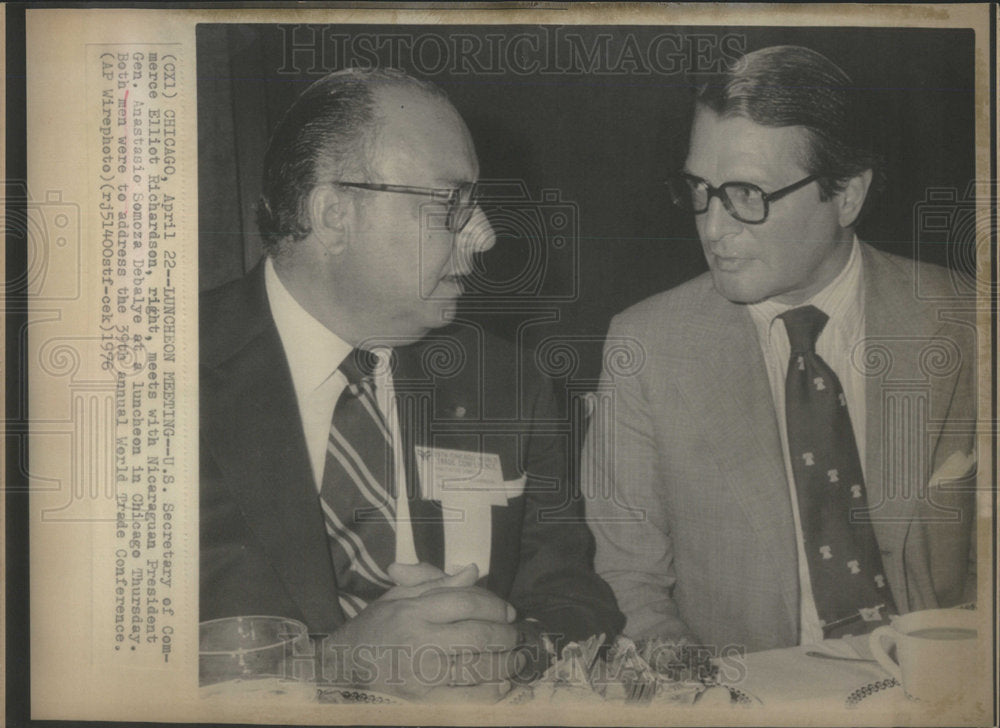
<point>845,566</point>
<point>357,495</point>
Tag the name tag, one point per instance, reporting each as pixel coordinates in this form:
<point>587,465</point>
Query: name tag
<point>460,477</point>
<point>468,484</point>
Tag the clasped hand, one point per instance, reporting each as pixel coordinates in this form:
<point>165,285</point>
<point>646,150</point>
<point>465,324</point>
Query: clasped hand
<point>432,637</point>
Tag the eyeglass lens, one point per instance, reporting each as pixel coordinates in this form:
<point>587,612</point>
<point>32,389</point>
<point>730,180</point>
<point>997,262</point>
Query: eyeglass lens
<point>742,200</point>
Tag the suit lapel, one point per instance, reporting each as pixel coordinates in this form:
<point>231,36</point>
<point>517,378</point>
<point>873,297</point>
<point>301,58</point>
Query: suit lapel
<point>901,325</point>
<point>882,324</point>
<point>258,442</point>
<point>728,390</point>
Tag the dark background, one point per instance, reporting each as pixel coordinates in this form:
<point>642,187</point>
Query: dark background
<point>603,140</point>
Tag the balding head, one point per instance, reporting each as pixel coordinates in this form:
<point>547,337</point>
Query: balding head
<point>330,132</point>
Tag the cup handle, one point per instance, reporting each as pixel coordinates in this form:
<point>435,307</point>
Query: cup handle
<point>875,642</point>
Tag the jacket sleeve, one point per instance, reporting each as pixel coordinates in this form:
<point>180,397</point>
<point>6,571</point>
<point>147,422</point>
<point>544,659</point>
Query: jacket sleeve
<point>621,483</point>
<point>555,582</point>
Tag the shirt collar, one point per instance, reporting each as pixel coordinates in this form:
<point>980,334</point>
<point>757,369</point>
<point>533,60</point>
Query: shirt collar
<point>842,300</point>
<point>313,351</point>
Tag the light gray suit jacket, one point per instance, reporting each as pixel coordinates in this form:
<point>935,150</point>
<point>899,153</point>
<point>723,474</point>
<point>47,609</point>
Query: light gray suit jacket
<point>684,475</point>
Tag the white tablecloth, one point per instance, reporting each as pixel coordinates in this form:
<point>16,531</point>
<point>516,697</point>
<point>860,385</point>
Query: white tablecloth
<point>823,691</point>
<point>780,687</point>
<point>790,675</point>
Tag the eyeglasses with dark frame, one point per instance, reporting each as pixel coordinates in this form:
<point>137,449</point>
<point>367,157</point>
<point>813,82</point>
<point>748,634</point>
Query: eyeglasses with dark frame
<point>461,200</point>
<point>746,202</point>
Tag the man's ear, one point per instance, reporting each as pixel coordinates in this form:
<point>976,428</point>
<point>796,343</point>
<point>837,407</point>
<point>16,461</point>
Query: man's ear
<point>852,198</point>
<point>328,206</point>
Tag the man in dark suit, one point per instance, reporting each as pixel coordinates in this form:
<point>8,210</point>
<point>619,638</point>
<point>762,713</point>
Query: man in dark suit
<point>364,470</point>
<point>795,459</point>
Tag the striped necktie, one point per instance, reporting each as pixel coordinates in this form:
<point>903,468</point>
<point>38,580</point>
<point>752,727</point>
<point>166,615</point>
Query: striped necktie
<point>845,565</point>
<point>357,494</point>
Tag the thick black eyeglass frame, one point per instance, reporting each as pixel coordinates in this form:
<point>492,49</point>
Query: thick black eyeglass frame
<point>681,193</point>
<point>461,200</point>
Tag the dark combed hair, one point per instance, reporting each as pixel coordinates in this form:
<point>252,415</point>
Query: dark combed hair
<point>327,134</point>
<point>795,86</point>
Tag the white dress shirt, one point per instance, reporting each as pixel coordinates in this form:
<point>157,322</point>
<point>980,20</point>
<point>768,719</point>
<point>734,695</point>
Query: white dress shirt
<point>314,354</point>
<point>843,301</point>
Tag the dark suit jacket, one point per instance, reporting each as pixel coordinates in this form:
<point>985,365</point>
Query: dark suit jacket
<point>263,540</point>
<point>691,507</point>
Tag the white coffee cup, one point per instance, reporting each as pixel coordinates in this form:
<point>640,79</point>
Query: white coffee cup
<point>935,653</point>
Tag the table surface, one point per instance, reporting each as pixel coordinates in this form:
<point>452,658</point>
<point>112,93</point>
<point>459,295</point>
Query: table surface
<point>782,675</point>
<point>785,679</point>
<point>790,675</point>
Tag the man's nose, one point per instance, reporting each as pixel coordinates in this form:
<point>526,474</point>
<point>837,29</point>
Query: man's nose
<point>477,236</point>
<point>718,222</point>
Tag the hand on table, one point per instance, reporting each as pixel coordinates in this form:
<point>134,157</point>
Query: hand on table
<point>432,636</point>
<point>414,579</point>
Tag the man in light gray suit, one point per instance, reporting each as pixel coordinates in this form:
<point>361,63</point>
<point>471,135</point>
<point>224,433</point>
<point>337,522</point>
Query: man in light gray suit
<point>729,507</point>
